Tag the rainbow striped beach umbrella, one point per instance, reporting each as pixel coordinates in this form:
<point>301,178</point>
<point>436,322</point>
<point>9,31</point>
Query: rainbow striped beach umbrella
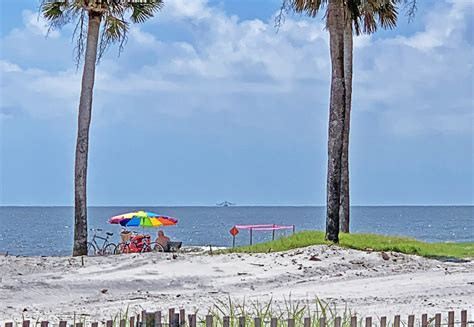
<point>142,219</point>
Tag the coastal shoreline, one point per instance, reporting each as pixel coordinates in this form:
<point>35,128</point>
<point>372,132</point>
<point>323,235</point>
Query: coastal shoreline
<point>365,282</point>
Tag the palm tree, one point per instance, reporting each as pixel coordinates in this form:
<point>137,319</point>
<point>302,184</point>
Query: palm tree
<point>336,19</point>
<point>344,209</point>
<point>371,15</point>
<point>352,15</point>
<point>111,17</point>
<point>337,108</point>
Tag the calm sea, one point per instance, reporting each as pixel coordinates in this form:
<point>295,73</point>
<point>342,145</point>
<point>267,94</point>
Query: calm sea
<point>49,230</point>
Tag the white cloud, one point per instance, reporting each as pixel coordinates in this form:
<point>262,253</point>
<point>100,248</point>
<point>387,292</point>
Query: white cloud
<point>141,37</point>
<point>193,9</point>
<point>420,84</point>
<point>443,26</point>
<point>215,62</point>
<point>8,67</point>
<point>362,41</point>
<point>38,25</point>
<point>38,92</point>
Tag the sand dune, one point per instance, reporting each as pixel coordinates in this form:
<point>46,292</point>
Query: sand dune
<point>58,287</point>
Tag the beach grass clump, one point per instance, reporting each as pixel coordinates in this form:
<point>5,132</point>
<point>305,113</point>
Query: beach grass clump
<point>265,311</point>
<point>373,242</point>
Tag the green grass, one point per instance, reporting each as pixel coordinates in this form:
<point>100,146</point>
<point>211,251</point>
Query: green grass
<point>366,241</point>
<point>289,309</point>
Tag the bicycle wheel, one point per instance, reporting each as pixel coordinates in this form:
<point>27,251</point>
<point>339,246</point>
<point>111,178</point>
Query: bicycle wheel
<point>155,247</point>
<point>109,249</point>
<point>122,248</point>
<point>91,250</point>
<point>147,247</point>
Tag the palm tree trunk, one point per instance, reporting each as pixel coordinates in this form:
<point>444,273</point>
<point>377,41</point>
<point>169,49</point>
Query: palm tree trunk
<point>344,210</point>
<point>337,108</point>
<point>82,145</point>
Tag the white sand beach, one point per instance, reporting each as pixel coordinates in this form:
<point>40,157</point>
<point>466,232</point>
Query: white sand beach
<point>58,287</point>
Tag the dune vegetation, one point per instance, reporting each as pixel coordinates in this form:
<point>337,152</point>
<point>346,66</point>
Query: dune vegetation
<point>366,242</point>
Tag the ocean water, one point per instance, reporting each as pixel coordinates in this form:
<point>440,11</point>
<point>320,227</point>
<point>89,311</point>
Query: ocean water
<point>49,230</point>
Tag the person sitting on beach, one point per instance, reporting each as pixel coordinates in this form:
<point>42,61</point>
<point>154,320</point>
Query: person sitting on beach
<point>162,240</point>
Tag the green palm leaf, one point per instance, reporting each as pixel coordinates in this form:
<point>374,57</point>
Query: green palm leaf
<point>366,15</point>
<point>115,29</point>
<point>141,12</point>
<point>114,13</point>
<point>53,10</point>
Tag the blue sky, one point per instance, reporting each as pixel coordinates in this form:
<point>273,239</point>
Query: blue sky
<point>208,103</point>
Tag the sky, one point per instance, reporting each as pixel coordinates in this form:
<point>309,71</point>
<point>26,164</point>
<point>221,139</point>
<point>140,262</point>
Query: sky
<point>208,102</point>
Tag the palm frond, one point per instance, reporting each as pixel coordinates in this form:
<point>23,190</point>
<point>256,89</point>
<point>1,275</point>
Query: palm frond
<point>410,7</point>
<point>365,16</point>
<point>369,23</point>
<point>115,9</point>
<point>378,13</point>
<point>52,11</point>
<point>308,7</point>
<point>141,12</point>
<point>113,14</point>
<point>115,29</point>
<point>352,14</point>
<point>387,15</point>
<point>59,13</point>
<point>80,35</point>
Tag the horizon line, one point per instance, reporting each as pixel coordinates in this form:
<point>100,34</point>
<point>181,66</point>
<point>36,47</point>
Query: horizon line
<point>249,205</point>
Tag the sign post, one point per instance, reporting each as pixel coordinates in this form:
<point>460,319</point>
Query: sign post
<point>234,231</point>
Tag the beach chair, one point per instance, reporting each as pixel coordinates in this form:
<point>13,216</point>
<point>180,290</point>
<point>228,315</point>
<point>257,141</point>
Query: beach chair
<point>174,246</point>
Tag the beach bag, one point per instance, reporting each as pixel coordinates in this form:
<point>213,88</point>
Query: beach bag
<point>125,236</point>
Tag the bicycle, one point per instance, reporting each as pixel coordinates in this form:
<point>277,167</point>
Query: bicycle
<point>135,244</point>
<point>107,248</point>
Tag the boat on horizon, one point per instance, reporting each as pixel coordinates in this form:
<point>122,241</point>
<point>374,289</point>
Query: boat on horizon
<point>225,204</point>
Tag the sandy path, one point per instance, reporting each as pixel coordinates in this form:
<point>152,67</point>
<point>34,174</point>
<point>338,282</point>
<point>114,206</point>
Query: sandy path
<point>58,286</point>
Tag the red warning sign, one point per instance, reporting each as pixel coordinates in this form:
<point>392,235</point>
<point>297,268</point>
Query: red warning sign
<point>234,231</point>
